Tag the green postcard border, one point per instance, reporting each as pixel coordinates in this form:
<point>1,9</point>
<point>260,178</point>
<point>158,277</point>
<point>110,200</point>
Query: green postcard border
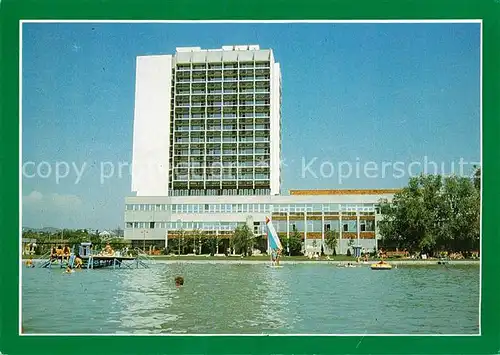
<point>13,11</point>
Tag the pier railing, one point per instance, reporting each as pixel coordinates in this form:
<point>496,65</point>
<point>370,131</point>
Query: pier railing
<point>143,256</point>
<point>43,259</point>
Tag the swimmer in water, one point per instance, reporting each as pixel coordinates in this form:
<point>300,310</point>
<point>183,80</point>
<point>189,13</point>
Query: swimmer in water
<point>69,270</point>
<point>179,281</point>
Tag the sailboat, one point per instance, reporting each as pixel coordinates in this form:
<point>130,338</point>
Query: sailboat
<point>274,244</point>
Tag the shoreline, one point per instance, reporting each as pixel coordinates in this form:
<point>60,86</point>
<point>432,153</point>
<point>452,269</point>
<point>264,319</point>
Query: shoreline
<point>235,260</point>
<point>328,262</point>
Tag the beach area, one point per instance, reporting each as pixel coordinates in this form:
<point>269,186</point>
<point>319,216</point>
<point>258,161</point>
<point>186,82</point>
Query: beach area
<point>341,260</point>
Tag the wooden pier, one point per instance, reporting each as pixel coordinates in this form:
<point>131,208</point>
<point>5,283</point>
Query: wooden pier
<point>96,261</point>
<point>99,261</point>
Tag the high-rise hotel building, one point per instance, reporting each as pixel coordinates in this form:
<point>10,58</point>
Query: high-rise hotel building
<point>208,123</point>
<point>207,150</point>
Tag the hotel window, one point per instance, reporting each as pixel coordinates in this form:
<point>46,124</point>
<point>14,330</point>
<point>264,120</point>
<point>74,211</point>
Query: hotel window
<point>345,227</point>
<point>281,226</point>
<point>136,224</point>
<point>129,225</point>
<point>327,227</point>
<point>317,226</point>
<point>300,225</point>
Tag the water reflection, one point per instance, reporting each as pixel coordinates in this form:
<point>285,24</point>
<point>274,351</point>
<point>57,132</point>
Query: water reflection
<point>145,298</point>
<point>275,309</point>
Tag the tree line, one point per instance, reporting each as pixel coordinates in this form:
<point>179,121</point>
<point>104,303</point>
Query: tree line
<point>434,214</point>
<point>46,240</point>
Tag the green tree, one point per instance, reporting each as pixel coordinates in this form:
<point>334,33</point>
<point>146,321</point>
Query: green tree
<point>96,240</point>
<point>243,241</point>
<point>210,241</point>
<point>118,232</point>
<point>199,237</point>
<point>294,243</point>
<point>432,214</point>
<point>477,177</point>
<point>331,239</point>
<point>462,203</point>
<point>176,242</point>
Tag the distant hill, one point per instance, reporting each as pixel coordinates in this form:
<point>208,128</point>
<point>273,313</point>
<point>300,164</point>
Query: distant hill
<point>42,230</point>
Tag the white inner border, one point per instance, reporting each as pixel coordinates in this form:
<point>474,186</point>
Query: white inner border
<point>21,22</point>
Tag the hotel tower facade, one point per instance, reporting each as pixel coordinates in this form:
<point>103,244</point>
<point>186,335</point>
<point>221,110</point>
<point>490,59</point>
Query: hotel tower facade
<point>207,155</point>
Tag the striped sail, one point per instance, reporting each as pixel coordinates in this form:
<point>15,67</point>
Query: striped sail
<point>272,236</point>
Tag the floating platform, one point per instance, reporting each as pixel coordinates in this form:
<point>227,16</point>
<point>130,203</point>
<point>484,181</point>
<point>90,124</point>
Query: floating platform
<point>381,265</point>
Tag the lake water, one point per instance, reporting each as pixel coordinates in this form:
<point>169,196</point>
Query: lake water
<point>243,299</point>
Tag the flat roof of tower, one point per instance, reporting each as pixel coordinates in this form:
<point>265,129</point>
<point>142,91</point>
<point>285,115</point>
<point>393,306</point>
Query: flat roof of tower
<point>245,47</point>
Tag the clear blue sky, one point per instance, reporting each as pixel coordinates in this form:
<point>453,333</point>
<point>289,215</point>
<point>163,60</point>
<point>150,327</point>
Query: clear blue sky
<point>351,92</point>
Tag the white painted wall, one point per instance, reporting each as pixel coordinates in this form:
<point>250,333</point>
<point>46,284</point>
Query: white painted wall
<point>151,143</point>
<point>275,126</point>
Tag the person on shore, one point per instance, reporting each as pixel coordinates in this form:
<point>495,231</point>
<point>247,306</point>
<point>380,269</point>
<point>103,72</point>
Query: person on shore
<point>66,253</point>
<point>78,262</point>
<point>29,262</point>
<point>179,281</point>
<point>59,253</point>
<point>108,251</point>
<point>53,254</point>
